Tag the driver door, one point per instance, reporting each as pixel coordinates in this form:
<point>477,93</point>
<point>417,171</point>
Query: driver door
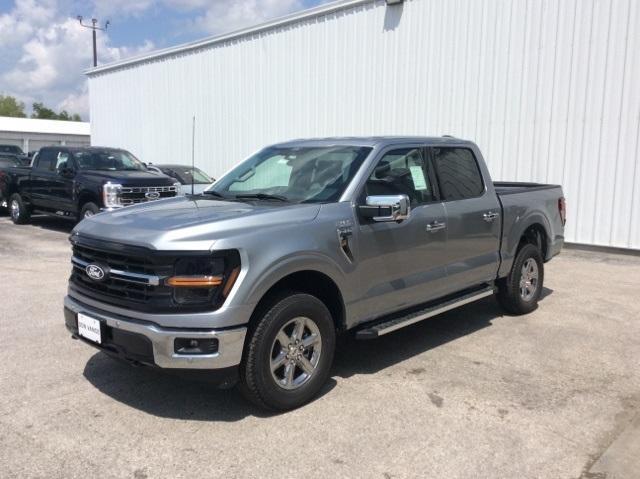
<point>401,264</point>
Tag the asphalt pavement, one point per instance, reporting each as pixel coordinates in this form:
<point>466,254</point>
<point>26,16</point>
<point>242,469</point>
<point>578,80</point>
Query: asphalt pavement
<point>469,394</point>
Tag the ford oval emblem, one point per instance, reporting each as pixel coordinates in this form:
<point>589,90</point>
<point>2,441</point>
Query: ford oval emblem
<point>95,272</point>
<point>152,195</point>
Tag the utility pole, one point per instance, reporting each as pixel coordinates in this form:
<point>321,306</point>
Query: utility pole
<point>94,26</point>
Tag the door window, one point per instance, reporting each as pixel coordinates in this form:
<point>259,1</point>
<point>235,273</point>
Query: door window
<point>401,172</point>
<point>458,173</point>
<point>46,159</point>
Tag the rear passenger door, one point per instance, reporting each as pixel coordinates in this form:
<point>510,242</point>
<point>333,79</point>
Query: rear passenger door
<point>472,215</point>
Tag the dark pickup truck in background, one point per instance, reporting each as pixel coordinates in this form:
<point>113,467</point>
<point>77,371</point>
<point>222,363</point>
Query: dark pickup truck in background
<point>16,152</point>
<point>78,182</point>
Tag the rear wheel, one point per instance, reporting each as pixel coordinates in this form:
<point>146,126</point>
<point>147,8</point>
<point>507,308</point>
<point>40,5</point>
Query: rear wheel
<point>519,292</point>
<point>19,212</point>
<point>289,353</point>
<point>88,210</point>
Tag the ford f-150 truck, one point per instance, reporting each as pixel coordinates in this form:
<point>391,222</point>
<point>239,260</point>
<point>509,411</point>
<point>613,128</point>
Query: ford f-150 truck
<point>251,281</point>
<point>78,182</point>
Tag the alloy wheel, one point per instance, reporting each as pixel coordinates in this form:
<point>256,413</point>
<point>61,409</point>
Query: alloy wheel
<point>295,353</point>
<point>529,279</point>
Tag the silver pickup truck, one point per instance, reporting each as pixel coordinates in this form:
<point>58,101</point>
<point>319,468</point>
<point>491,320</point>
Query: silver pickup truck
<point>251,281</point>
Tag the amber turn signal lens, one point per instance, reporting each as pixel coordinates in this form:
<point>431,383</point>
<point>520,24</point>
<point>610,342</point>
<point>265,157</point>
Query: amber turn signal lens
<point>194,281</point>
<point>232,279</point>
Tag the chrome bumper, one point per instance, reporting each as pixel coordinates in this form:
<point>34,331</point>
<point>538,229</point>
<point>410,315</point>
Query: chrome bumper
<point>230,341</point>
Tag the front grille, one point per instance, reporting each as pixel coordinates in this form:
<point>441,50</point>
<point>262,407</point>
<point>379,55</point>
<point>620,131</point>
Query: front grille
<point>133,279</point>
<point>131,195</point>
<point>134,276</point>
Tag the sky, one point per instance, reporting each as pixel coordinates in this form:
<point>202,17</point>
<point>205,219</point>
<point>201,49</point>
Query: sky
<point>44,50</point>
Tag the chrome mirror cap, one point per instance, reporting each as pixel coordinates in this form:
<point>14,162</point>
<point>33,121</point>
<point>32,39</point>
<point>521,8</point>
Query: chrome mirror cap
<point>384,208</point>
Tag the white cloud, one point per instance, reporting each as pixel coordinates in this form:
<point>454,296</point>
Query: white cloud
<point>47,62</point>
<point>44,51</point>
<point>228,15</point>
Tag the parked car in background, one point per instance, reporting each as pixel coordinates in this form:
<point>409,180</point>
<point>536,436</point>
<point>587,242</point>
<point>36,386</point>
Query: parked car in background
<point>253,279</point>
<point>15,151</point>
<point>6,161</point>
<point>78,182</point>
<point>192,179</point>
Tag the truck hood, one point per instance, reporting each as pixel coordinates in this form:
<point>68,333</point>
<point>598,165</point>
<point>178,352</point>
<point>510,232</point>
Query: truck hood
<point>130,178</point>
<point>191,223</point>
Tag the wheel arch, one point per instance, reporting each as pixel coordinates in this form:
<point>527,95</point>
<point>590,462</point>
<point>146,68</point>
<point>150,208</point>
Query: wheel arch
<point>310,281</point>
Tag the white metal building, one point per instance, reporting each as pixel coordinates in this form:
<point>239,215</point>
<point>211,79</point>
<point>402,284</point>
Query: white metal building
<point>31,134</point>
<point>549,89</point>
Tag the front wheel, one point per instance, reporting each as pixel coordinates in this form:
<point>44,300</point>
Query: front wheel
<point>19,212</point>
<point>289,353</point>
<point>88,210</point>
<point>519,292</point>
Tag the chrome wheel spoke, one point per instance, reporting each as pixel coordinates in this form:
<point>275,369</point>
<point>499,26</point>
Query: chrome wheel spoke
<point>298,330</point>
<point>279,360</point>
<point>310,340</point>
<point>289,370</point>
<point>305,365</point>
<point>283,339</point>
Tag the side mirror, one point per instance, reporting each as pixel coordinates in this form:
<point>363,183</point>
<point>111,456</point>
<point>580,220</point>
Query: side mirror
<point>385,208</point>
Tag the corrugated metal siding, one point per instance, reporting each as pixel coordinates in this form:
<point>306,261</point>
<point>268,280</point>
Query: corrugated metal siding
<point>549,89</point>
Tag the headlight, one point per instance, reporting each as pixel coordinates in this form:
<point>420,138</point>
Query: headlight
<point>178,188</point>
<point>200,280</point>
<point>111,195</point>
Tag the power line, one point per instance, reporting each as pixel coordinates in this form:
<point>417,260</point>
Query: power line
<point>94,26</point>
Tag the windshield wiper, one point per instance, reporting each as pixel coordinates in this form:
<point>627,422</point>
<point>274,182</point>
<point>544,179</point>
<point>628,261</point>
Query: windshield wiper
<point>214,193</point>
<point>261,196</point>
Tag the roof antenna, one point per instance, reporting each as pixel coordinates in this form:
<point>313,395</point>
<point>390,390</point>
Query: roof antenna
<point>193,150</point>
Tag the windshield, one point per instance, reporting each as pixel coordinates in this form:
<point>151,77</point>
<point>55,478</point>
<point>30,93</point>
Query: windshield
<point>188,175</point>
<point>108,160</point>
<point>303,175</point>
<point>14,150</point>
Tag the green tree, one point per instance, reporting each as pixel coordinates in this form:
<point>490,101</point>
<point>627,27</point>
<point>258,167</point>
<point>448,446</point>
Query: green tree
<point>43,113</point>
<point>10,106</point>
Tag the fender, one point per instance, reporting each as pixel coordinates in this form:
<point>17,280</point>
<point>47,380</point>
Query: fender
<point>283,267</point>
<point>515,233</point>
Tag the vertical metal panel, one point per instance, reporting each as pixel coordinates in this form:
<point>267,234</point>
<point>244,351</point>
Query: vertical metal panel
<point>549,89</point>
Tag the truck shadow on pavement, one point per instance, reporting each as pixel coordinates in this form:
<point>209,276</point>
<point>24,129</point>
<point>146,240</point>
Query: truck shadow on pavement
<point>51,223</point>
<point>164,395</point>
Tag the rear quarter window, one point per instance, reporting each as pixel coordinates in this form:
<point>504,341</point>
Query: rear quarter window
<point>458,173</point>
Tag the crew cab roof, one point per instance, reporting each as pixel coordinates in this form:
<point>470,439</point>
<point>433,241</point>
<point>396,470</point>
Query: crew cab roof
<point>371,141</point>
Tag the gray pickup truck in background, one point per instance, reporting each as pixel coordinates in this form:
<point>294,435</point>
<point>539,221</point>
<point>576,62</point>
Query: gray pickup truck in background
<point>252,280</point>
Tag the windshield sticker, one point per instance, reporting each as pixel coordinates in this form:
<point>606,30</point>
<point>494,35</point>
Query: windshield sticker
<point>418,178</point>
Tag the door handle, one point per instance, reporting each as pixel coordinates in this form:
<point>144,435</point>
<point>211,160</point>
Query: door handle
<point>435,226</point>
<point>490,216</point>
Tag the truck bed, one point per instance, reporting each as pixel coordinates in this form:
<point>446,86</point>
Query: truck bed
<point>512,187</point>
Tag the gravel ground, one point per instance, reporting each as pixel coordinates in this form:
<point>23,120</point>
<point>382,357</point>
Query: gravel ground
<point>471,393</point>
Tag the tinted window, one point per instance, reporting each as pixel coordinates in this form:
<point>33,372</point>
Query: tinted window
<point>458,173</point>
<point>108,160</point>
<point>46,159</point>
<point>14,150</point>
<point>401,172</point>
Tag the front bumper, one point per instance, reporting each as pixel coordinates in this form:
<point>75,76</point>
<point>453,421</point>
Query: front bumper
<point>147,343</point>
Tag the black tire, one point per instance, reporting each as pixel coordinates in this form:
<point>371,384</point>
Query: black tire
<point>256,380</point>
<point>510,296</point>
<point>19,212</point>
<point>88,209</point>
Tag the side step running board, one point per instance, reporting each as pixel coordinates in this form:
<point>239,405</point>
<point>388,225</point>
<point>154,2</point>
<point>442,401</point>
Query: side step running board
<point>397,322</point>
